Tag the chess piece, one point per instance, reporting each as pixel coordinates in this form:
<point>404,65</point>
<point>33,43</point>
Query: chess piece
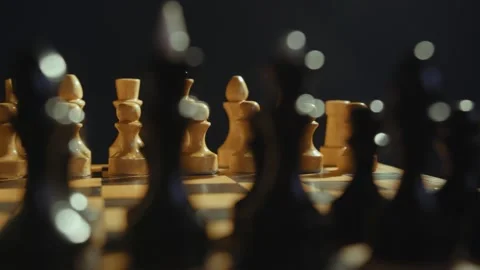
<point>458,197</point>
<point>311,159</point>
<point>51,230</point>
<point>355,212</point>
<point>12,155</point>
<point>335,133</point>
<point>163,230</point>
<point>71,91</point>
<point>125,155</point>
<point>186,139</point>
<point>236,94</point>
<point>284,229</point>
<point>241,160</point>
<point>411,230</point>
<point>198,159</point>
<point>344,161</point>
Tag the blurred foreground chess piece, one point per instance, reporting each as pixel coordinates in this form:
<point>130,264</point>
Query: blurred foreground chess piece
<point>125,155</point>
<point>197,159</point>
<point>12,156</point>
<point>48,226</point>
<point>345,160</point>
<point>356,210</point>
<point>164,232</point>
<point>237,94</point>
<point>81,160</point>
<point>335,133</point>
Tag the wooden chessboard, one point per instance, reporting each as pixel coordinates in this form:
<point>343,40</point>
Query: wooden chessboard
<point>212,196</point>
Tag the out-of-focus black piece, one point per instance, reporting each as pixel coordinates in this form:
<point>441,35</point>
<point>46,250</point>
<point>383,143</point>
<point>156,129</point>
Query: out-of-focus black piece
<point>412,228</point>
<point>164,231</point>
<point>355,212</point>
<point>47,231</point>
<point>282,228</point>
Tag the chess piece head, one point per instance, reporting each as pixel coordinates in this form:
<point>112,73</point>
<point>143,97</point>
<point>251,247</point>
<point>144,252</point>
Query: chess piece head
<point>9,92</point>
<point>127,89</point>
<point>237,89</point>
<point>70,88</point>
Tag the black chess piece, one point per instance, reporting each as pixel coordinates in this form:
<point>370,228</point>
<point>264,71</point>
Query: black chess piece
<point>285,229</point>
<point>411,229</point>
<point>356,210</point>
<point>47,232</point>
<point>457,197</point>
<point>164,231</point>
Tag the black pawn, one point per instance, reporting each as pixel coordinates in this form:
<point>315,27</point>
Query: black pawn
<point>356,210</point>
<point>285,230</point>
<point>164,231</point>
<point>47,232</point>
<point>412,228</point>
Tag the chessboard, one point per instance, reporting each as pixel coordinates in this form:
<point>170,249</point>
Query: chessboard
<point>213,196</point>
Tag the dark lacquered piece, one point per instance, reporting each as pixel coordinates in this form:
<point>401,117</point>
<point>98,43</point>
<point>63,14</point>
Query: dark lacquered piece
<point>282,229</point>
<point>37,237</point>
<point>412,228</point>
<point>164,231</point>
<point>357,209</point>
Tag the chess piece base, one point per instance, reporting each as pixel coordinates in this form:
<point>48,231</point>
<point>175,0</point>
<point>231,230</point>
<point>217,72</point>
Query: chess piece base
<point>242,163</point>
<point>12,169</point>
<point>224,156</point>
<point>331,155</point>
<point>80,167</point>
<point>124,166</point>
<point>205,163</point>
<point>312,163</point>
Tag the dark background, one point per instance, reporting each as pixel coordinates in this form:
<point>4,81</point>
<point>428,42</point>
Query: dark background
<point>102,40</point>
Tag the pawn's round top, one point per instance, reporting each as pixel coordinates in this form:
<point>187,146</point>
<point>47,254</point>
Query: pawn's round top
<point>354,106</point>
<point>237,89</point>
<point>70,88</point>
<point>127,88</point>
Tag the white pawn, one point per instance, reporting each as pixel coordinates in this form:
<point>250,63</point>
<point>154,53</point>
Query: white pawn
<point>311,160</point>
<point>197,158</point>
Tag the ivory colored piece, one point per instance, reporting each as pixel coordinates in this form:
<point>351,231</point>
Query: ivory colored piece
<point>241,160</point>
<point>345,160</point>
<point>186,139</point>
<point>12,156</point>
<point>71,91</point>
<point>335,133</point>
<point>236,93</point>
<point>125,157</point>
<point>311,160</point>
<point>199,159</point>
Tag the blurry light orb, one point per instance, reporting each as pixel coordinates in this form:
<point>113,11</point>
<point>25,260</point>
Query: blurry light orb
<point>78,201</point>
<point>304,104</point>
<point>296,40</point>
<point>376,106</point>
<point>72,225</point>
<point>76,115</point>
<point>314,60</point>
<point>320,108</point>
<point>187,108</point>
<point>195,56</point>
<point>466,105</point>
<point>381,139</point>
<point>202,112</point>
<point>424,50</point>
<point>52,65</point>
<point>439,111</point>
<point>179,41</point>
